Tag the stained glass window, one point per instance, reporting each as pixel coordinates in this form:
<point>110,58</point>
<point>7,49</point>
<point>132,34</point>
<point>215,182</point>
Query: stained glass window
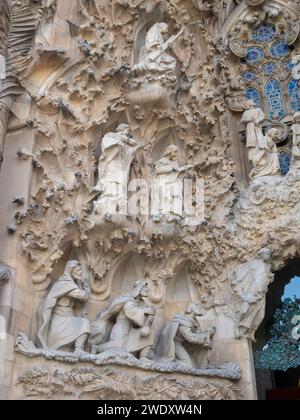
<point>264,33</point>
<point>289,65</point>
<point>269,68</point>
<point>255,55</point>
<point>253,94</point>
<point>279,49</point>
<point>274,98</point>
<point>249,76</point>
<point>285,162</point>
<point>294,94</point>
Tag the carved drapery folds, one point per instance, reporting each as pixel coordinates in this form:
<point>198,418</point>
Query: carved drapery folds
<point>125,105</point>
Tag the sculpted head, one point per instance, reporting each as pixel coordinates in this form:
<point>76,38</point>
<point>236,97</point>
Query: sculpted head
<point>124,129</point>
<point>250,104</point>
<point>164,29</point>
<point>141,288</point>
<point>171,152</point>
<point>273,134</point>
<point>74,270</point>
<point>194,309</point>
<point>297,117</point>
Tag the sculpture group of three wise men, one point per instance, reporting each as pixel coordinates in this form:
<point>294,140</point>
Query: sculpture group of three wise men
<point>127,326</point>
<point>118,149</point>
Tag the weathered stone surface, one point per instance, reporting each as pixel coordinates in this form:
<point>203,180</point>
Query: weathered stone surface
<point>131,94</point>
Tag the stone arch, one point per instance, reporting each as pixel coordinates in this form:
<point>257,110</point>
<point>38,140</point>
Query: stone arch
<point>268,380</point>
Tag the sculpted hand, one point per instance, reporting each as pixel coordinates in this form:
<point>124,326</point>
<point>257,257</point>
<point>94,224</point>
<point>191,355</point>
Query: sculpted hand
<point>145,331</point>
<point>150,310</point>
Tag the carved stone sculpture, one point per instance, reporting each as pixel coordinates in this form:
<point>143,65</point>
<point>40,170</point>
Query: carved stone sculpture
<point>13,34</point>
<point>295,162</point>
<point>126,326</point>
<point>113,172</point>
<point>169,186</point>
<point>262,151</point>
<point>296,68</point>
<point>154,77</point>
<point>183,341</point>
<point>250,282</point>
<point>5,275</point>
<point>60,327</point>
<point>157,60</point>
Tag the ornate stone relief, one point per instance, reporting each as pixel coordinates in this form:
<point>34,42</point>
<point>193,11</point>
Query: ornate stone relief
<point>262,151</point>
<point>14,34</point>
<point>125,333</point>
<point>108,383</point>
<point>125,102</point>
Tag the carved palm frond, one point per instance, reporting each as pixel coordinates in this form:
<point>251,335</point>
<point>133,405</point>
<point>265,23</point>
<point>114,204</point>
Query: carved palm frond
<point>18,23</point>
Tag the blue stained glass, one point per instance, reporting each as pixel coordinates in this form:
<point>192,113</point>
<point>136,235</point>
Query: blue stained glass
<point>269,68</point>
<point>274,97</point>
<point>280,49</point>
<point>294,94</point>
<point>289,65</point>
<point>285,162</point>
<point>255,55</point>
<point>249,76</point>
<point>264,33</point>
<point>253,94</point>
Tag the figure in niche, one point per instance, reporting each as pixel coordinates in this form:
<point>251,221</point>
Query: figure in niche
<point>295,162</point>
<point>250,282</point>
<point>296,68</point>
<point>262,150</point>
<point>61,328</point>
<point>183,341</point>
<point>113,171</point>
<point>126,326</point>
<point>168,197</point>
<point>157,60</point>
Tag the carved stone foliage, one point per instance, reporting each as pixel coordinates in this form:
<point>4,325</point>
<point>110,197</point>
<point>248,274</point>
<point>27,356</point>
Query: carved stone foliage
<point>110,383</point>
<point>86,100</point>
<point>18,24</point>
<point>81,97</point>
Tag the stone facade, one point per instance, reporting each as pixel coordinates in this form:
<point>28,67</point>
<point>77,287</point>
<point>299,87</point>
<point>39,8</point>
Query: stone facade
<point>98,100</point>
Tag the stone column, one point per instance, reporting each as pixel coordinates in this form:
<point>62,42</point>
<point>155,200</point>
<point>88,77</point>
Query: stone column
<point>16,295</point>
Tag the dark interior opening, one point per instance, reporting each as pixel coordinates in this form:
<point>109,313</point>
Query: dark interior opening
<point>273,384</point>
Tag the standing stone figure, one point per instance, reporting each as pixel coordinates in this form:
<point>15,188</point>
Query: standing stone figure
<point>61,328</point>
<point>262,150</point>
<point>126,326</point>
<point>295,162</point>
<point>183,341</point>
<point>168,186</point>
<point>113,171</point>
<point>250,282</point>
<point>157,59</point>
